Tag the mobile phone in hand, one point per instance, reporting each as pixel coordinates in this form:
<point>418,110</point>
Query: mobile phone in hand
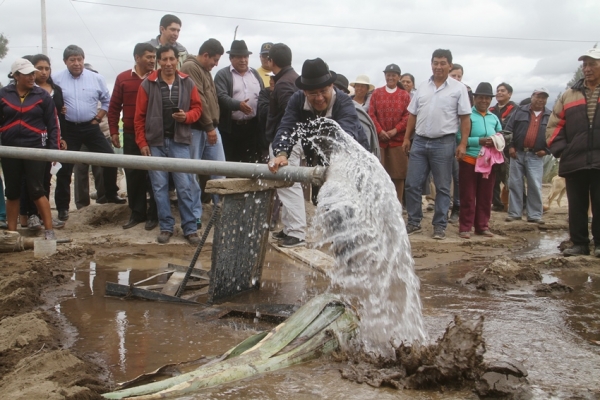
<point>175,110</point>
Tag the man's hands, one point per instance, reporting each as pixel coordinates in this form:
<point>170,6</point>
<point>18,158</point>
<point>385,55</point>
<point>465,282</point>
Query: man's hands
<point>406,146</point>
<point>461,151</point>
<point>279,161</point>
<point>512,153</point>
<point>211,137</point>
<point>179,116</point>
<point>115,141</point>
<point>145,151</point>
<point>245,108</point>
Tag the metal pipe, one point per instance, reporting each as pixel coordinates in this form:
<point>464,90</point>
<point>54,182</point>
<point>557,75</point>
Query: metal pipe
<point>312,175</point>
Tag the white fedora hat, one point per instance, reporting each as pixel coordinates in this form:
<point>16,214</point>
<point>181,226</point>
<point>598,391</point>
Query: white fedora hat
<point>364,80</point>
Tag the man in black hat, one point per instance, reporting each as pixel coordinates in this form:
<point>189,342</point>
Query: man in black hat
<point>238,87</point>
<point>316,98</point>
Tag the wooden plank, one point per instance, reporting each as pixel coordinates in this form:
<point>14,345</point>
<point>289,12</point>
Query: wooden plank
<point>152,277</point>
<point>173,283</point>
<point>115,289</point>
<point>196,272</point>
<point>190,285</point>
<point>312,257</point>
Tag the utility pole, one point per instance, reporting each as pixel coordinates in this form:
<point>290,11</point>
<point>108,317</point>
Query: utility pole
<point>44,38</point>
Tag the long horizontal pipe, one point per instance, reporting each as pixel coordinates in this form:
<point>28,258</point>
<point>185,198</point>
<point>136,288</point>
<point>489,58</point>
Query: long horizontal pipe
<point>312,175</point>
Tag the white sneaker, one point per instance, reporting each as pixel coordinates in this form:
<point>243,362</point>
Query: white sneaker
<point>34,223</point>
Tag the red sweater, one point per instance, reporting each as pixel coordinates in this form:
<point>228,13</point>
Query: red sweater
<point>123,98</point>
<point>389,111</point>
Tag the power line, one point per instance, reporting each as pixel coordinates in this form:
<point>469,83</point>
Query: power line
<point>338,26</point>
<point>93,37</point>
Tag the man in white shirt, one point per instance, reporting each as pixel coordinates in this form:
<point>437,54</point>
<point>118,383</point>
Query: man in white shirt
<point>437,110</point>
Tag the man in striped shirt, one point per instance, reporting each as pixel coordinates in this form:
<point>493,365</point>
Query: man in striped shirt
<point>123,99</point>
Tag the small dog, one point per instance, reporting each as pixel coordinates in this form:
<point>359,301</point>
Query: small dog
<point>558,190</point>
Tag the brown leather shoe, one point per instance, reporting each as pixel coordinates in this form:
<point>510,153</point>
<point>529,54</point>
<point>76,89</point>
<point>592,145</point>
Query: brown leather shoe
<point>193,239</point>
<point>164,237</point>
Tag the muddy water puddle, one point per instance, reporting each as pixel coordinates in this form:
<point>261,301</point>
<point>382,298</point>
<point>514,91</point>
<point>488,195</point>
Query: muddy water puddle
<point>552,335</point>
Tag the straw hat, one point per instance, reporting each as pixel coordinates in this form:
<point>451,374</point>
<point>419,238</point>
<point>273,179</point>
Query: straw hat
<point>363,79</point>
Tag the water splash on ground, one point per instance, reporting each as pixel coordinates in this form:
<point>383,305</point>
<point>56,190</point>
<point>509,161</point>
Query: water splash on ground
<point>358,214</point>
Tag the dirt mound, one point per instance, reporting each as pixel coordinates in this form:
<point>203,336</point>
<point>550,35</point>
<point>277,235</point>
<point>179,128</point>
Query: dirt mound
<point>54,374</point>
<point>110,214</point>
<point>502,274</point>
<point>455,360</point>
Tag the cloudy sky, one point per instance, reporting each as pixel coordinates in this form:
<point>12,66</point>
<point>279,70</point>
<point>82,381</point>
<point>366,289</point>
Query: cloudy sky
<point>527,43</point>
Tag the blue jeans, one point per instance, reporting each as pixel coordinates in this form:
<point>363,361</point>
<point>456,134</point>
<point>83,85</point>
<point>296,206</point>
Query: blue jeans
<point>529,165</point>
<point>201,150</point>
<point>435,156</point>
<point>456,189</point>
<point>160,187</point>
<point>2,202</point>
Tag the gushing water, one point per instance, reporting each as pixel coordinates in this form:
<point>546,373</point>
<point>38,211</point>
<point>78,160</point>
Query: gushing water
<point>359,215</point>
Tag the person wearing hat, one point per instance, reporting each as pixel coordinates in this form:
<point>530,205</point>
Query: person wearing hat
<point>438,109</point>
<point>28,118</point>
<point>264,68</point>
<point>526,149</point>
<point>82,91</point>
<point>573,135</point>
<point>238,87</point>
<point>476,188</point>
<point>169,29</point>
<point>389,112</point>
<point>362,91</point>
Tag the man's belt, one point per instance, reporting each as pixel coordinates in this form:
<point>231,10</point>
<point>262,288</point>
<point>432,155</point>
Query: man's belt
<point>79,123</point>
<point>528,149</point>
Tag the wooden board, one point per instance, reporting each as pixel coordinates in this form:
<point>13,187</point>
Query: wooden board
<point>173,283</point>
<point>312,257</point>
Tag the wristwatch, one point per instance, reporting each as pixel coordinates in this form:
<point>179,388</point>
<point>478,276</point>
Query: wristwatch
<point>282,153</point>
<point>98,120</point>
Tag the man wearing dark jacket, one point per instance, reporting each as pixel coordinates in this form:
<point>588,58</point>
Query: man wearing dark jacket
<point>503,110</point>
<point>527,149</point>
<point>573,135</point>
<point>293,213</point>
<point>238,87</point>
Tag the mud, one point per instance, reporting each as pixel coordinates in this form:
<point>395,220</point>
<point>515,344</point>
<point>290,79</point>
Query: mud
<point>455,360</point>
<point>38,358</point>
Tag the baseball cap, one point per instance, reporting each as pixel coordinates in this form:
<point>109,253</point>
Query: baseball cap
<point>541,90</point>
<point>392,68</point>
<point>592,53</point>
<point>22,66</point>
<point>264,49</point>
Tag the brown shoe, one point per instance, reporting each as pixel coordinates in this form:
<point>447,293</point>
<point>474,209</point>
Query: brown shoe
<point>164,237</point>
<point>193,239</point>
<point>464,235</point>
<point>486,233</point>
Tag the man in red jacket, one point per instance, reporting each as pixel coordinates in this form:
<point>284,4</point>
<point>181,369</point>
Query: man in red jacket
<point>168,104</point>
<point>389,111</point>
<point>123,99</point>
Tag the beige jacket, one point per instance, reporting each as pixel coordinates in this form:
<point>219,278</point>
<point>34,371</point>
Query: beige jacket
<point>209,119</point>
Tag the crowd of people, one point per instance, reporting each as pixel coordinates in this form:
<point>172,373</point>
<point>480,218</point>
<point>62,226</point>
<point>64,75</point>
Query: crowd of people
<point>438,139</point>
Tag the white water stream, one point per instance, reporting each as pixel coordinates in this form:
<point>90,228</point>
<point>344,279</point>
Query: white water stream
<point>359,215</point>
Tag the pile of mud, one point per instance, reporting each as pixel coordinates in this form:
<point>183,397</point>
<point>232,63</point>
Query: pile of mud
<point>454,362</point>
<point>34,361</point>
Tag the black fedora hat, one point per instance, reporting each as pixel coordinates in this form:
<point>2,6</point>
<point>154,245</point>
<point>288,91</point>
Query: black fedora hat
<point>315,75</point>
<point>239,48</point>
<point>341,82</point>
<point>484,89</point>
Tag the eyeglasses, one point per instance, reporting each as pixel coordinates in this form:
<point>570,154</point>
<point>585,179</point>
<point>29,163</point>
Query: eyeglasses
<point>322,93</point>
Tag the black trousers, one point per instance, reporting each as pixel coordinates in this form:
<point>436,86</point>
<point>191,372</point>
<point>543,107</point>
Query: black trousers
<point>138,184</point>
<point>75,136</point>
<point>242,144</point>
<point>26,205</point>
<point>581,187</point>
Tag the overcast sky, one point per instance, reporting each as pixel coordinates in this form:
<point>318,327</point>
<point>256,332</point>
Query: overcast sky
<point>392,31</point>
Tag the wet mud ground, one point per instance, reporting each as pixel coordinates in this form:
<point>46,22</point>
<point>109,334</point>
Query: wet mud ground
<point>62,338</point>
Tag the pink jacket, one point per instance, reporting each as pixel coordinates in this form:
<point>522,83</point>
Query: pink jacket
<point>488,156</point>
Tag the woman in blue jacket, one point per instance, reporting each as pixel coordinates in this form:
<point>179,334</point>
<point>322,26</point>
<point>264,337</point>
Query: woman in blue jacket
<point>476,190</point>
<point>27,119</point>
